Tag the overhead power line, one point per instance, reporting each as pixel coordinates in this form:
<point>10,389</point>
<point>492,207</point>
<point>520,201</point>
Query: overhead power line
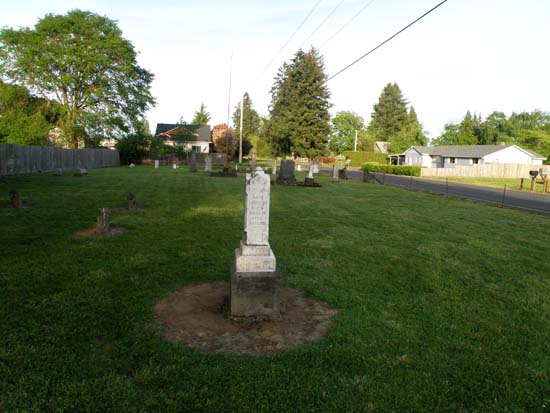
<point>322,23</point>
<point>385,41</point>
<point>348,22</point>
<point>292,36</point>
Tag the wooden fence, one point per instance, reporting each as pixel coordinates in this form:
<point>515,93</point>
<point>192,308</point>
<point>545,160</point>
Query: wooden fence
<point>483,171</point>
<point>16,159</point>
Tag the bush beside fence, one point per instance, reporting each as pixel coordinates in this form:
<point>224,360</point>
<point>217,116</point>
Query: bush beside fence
<point>392,169</point>
<point>359,158</point>
<point>16,159</point>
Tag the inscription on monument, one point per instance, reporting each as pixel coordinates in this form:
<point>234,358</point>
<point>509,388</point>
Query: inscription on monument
<point>256,225</point>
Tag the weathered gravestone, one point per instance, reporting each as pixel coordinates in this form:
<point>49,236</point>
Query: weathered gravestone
<point>313,169</point>
<point>208,163</point>
<point>274,168</point>
<point>254,278</point>
<point>174,166</point>
<point>132,202</point>
<point>286,172</point>
<point>157,163</point>
<point>58,172</point>
<point>132,165</point>
<point>335,172</point>
<point>15,199</point>
<point>103,225</point>
<point>343,173</point>
<point>80,172</point>
<point>222,161</point>
<point>193,166</point>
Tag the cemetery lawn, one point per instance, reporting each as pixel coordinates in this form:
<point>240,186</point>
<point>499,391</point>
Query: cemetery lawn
<point>444,305</point>
<point>511,183</point>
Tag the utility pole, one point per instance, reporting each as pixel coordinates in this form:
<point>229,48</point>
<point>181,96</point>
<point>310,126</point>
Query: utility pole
<point>229,96</point>
<point>355,145</point>
<point>241,132</point>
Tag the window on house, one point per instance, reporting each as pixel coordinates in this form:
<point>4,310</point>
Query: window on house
<point>196,148</point>
<point>451,160</point>
<point>475,161</point>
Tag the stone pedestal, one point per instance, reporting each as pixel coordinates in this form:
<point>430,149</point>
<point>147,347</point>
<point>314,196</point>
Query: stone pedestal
<point>254,277</point>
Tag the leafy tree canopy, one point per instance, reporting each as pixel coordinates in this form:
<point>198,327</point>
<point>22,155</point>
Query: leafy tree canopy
<point>344,126</point>
<point>82,61</point>
<point>25,119</point>
<point>299,117</point>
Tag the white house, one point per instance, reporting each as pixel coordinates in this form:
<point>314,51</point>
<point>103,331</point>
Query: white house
<point>464,155</point>
<point>196,137</point>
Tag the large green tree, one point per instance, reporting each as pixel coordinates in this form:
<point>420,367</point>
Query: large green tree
<point>25,119</point>
<point>389,116</point>
<point>344,127</point>
<point>299,117</point>
<point>392,122</point>
<point>202,117</point>
<point>251,119</point>
<point>82,61</point>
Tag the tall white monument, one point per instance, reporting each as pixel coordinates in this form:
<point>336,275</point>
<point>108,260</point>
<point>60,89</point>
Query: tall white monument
<point>255,279</point>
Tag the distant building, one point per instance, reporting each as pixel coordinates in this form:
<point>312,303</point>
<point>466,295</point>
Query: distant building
<point>464,155</point>
<point>195,137</point>
<point>381,147</point>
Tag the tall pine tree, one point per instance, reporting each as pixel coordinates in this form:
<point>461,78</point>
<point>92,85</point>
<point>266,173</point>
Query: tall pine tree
<point>251,119</point>
<point>390,113</point>
<point>300,121</point>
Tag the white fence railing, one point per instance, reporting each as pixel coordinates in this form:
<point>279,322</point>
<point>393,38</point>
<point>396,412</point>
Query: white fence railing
<point>483,171</point>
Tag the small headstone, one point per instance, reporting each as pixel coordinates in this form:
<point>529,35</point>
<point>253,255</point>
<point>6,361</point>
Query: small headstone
<point>132,165</point>
<point>274,168</point>
<point>222,161</point>
<point>335,172</point>
<point>58,172</point>
<point>80,172</point>
<point>132,202</point>
<point>208,163</point>
<point>103,221</point>
<point>15,199</point>
<point>193,165</point>
<point>343,173</point>
<point>255,280</point>
<point>313,169</point>
<point>174,166</point>
<point>157,163</point>
<point>299,168</point>
<point>286,172</point>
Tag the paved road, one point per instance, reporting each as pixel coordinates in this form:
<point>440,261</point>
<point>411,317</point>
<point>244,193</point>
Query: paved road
<point>513,199</point>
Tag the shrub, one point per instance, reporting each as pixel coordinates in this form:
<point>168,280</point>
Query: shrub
<point>359,158</point>
<point>392,169</point>
<point>325,159</point>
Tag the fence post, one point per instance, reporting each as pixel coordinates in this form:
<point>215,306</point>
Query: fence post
<point>384,179</point>
<point>411,182</point>
<point>503,197</point>
<point>447,186</point>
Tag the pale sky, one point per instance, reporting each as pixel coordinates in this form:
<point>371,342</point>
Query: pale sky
<point>481,55</point>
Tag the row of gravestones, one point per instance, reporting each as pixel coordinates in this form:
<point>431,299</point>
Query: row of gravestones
<point>286,172</point>
<point>193,163</point>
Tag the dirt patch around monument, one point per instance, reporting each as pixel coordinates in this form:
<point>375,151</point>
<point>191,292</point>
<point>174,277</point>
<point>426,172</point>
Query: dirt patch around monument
<point>94,233</point>
<point>197,316</point>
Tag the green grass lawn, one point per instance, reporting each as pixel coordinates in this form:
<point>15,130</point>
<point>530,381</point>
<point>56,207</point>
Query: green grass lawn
<point>444,305</point>
<point>511,183</point>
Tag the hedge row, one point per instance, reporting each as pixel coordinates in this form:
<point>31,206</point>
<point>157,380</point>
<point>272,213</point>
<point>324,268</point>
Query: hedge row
<point>359,158</point>
<point>392,169</point>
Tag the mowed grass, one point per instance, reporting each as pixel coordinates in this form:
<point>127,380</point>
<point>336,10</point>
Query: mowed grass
<point>444,305</point>
<point>511,183</point>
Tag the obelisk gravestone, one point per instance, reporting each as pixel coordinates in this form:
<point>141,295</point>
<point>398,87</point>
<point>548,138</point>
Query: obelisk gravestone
<point>255,279</point>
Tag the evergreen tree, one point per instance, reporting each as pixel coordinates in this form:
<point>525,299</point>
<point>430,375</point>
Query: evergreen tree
<point>251,119</point>
<point>299,107</point>
<point>202,117</point>
<point>466,131</point>
<point>390,114</point>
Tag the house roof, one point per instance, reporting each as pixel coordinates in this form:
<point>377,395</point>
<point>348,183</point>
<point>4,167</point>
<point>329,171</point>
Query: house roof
<point>195,132</point>
<point>469,151</point>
